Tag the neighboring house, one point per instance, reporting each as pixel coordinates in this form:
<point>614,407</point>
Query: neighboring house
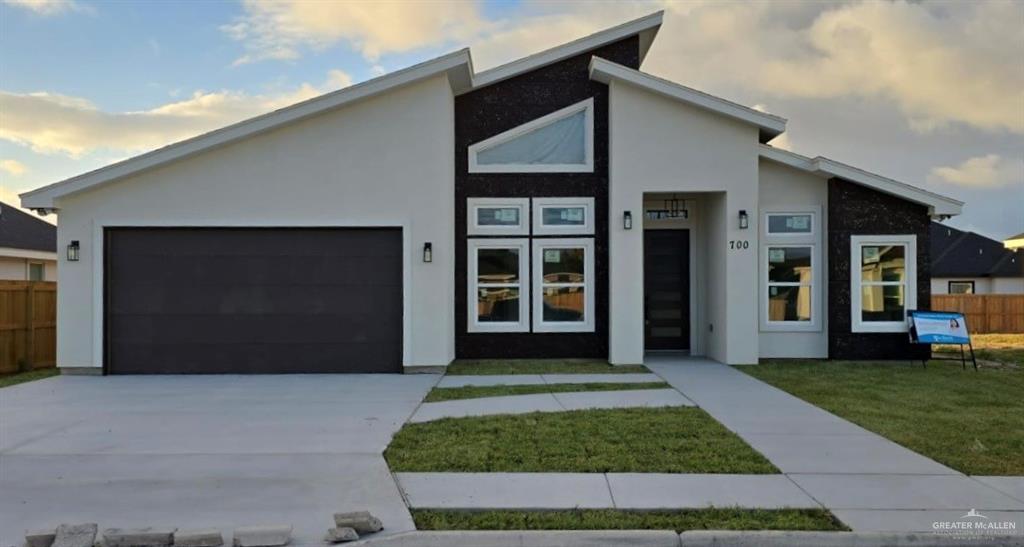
<point>562,205</point>
<point>1014,242</point>
<point>968,263</point>
<point>28,246</point>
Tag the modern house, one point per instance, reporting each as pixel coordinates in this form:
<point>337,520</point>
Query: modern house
<point>968,263</point>
<point>28,246</point>
<point>566,204</point>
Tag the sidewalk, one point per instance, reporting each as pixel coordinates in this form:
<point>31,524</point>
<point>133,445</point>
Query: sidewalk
<point>867,481</point>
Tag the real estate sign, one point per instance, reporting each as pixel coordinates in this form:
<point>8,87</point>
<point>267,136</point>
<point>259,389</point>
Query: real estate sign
<point>939,327</point>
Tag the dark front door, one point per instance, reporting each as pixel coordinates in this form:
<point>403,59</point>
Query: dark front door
<point>667,289</point>
<point>253,300</point>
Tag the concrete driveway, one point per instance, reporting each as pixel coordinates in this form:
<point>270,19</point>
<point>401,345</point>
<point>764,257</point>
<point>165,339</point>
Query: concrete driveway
<point>201,451</point>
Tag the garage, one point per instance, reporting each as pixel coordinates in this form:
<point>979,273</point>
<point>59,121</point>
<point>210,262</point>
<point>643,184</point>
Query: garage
<point>252,300</point>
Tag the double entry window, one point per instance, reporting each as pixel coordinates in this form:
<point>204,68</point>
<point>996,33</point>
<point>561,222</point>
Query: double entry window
<point>510,276</point>
<point>790,271</point>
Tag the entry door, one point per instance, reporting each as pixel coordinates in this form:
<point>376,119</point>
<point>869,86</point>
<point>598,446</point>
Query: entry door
<point>667,289</point>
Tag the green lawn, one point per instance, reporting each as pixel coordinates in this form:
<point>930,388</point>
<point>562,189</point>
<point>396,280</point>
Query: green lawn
<point>22,377</point>
<point>997,349</point>
<point>609,519</point>
<point>475,392</point>
<point>970,421</point>
<point>644,440</point>
<point>475,367</point>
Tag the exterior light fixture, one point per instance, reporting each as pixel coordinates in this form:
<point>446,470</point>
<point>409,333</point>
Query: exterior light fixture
<point>744,220</point>
<point>627,220</point>
<point>428,252</point>
<point>73,251</point>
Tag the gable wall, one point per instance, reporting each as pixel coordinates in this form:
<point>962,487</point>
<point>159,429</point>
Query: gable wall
<point>497,108</point>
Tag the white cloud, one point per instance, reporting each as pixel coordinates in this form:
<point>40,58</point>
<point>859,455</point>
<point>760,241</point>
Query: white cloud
<point>280,30</point>
<point>47,7</point>
<point>13,167</point>
<point>989,171</point>
<point>51,123</point>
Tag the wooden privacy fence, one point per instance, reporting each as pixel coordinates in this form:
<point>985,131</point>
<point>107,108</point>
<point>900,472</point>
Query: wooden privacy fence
<point>986,313</point>
<point>28,325</point>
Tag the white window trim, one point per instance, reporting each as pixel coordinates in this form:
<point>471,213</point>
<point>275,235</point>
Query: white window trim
<point>910,295</point>
<point>587,325</point>
<point>810,239</point>
<point>790,236</point>
<point>473,324</point>
<point>814,325</point>
<point>539,228</point>
<point>473,204</point>
<point>28,269</point>
<point>588,145</point>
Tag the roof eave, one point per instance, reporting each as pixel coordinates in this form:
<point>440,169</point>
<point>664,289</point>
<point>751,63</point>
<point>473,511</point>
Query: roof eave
<point>769,126</point>
<point>457,66</point>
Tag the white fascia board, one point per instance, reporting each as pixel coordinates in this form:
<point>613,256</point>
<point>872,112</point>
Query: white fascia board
<point>11,252</point>
<point>647,27</point>
<point>604,71</point>
<point>937,204</point>
<point>457,65</point>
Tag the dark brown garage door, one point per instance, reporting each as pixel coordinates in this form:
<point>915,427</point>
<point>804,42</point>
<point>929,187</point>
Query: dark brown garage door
<point>212,300</point>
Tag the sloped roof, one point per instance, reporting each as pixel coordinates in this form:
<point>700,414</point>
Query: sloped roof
<point>937,204</point>
<point>956,253</point>
<point>20,230</point>
<point>458,66</point>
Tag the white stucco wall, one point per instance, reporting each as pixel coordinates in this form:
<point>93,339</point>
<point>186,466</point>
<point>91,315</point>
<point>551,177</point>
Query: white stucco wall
<point>982,285</point>
<point>1008,285</point>
<point>783,188</point>
<point>383,161</point>
<point>661,145</point>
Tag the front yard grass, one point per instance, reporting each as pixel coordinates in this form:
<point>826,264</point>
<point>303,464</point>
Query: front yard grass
<point>486,367</point>
<point>22,377</point>
<point>970,421</point>
<point>1005,349</point>
<point>641,440</point>
<point>474,392</point>
<point>609,519</point>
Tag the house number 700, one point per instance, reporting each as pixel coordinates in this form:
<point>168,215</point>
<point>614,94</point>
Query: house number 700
<point>739,244</point>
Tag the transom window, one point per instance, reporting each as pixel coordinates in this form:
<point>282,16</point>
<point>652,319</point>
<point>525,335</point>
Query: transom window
<point>497,285</point>
<point>560,142</point>
<point>563,216</point>
<point>498,216</point>
<point>883,282</point>
<point>789,223</point>
<point>564,285</point>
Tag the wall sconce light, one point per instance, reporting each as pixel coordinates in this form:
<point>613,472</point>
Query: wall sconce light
<point>627,220</point>
<point>744,220</point>
<point>428,252</point>
<point>73,251</point>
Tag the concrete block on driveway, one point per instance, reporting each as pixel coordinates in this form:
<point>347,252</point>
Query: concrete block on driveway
<point>360,521</point>
<point>274,535</point>
<point>75,535</point>
<point>341,535</point>
<point>205,537</point>
<point>39,538</point>
<point>138,537</point>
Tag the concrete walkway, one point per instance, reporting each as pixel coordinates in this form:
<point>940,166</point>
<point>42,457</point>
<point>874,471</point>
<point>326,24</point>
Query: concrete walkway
<point>549,402</point>
<point>869,482</point>
<point>540,379</point>
<point>633,491</point>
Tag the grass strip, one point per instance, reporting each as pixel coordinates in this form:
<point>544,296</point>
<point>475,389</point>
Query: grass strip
<point>486,367</point>
<point>610,519</point>
<point>22,377</point>
<point>475,392</point>
<point>641,440</point>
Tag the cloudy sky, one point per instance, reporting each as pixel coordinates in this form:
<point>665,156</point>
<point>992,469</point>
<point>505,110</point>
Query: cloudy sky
<point>930,93</point>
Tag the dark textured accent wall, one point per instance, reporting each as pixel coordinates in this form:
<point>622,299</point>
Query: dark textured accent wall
<point>858,210</point>
<point>497,108</point>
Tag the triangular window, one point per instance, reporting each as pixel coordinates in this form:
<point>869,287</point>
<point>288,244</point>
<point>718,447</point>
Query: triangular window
<point>562,141</point>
